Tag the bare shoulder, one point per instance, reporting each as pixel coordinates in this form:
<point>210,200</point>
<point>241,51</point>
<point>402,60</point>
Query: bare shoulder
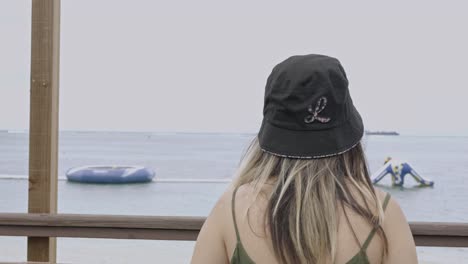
<point>393,210</point>
<point>222,212</point>
<point>223,207</point>
<point>400,240</point>
<point>211,245</point>
<point>381,194</point>
<point>393,213</point>
<point>224,202</point>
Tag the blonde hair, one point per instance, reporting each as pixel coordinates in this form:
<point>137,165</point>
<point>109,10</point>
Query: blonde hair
<point>302,215</point>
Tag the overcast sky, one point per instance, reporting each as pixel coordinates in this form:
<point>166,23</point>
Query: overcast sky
<point>202,65</point>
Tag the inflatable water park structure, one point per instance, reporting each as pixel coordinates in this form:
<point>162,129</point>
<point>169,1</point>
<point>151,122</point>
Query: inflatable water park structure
<point>398,170</point>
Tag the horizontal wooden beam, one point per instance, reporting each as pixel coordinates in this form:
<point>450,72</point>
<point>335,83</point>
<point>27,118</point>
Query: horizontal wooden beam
<point>100,232</point>
<point>91,220</point>
<point>29,262</point>
<point>439,229</point>
<point>432,234</point>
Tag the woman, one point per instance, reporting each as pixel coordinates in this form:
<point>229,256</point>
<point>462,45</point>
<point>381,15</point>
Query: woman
<point>303,192</point>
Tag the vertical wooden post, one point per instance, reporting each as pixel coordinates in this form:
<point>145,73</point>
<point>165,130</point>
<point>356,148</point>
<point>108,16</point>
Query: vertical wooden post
<point>43,124</point>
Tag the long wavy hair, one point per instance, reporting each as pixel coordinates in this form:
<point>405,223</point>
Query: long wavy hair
<point>302,210</point>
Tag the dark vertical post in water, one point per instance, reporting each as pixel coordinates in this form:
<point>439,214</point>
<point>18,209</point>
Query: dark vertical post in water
<point>43,124</point>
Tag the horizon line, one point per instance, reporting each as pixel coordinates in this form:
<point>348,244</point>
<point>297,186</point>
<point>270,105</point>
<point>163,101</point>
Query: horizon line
<point>215,132</point>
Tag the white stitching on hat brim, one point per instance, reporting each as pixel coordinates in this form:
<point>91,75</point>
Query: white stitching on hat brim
<point>313,157</point>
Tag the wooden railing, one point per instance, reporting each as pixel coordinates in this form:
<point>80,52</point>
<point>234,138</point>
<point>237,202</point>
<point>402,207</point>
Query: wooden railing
<point>176,228</point>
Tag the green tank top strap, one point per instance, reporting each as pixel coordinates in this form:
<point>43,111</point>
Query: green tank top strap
<point>233,203</point>
<point>374,230</point>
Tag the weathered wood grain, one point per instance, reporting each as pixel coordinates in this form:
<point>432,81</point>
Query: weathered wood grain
<point>43,124</point>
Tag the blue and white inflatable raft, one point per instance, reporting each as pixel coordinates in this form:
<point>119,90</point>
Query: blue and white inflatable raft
<point>110,174</point>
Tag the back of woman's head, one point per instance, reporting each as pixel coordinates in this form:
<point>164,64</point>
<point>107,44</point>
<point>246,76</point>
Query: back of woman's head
<point>309,144</point>
<point>302,211</point>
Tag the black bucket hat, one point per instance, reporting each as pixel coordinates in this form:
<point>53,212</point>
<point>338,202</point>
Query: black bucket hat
<point>308,112</point>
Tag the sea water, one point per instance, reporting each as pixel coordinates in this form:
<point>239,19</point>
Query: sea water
<point>193,170</point>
